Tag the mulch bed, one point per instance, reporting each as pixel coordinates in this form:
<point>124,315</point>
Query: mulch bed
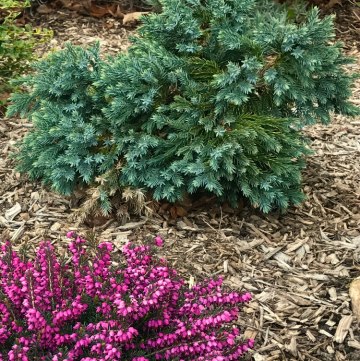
<point>297,265</point>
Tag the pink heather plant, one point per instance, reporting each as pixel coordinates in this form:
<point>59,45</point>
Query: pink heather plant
<point>92,311</point>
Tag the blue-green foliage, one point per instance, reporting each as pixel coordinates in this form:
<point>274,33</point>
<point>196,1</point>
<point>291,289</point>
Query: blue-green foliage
<point>64,147</point>
<point>209,97</point>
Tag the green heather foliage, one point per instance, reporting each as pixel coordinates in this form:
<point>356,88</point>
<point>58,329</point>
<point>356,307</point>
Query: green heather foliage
<point>210,97</point>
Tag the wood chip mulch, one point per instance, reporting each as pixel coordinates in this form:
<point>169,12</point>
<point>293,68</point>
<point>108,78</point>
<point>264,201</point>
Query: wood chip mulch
<point>297,265</point>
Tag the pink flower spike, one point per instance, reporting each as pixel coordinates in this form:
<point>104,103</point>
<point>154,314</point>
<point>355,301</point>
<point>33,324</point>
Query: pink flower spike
<point>70,234</point>
<point>158,241</point>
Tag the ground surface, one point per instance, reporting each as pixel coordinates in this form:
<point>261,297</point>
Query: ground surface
<point>296,265</point>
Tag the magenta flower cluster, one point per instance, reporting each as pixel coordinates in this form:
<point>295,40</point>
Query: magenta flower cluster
<point>91,311</point>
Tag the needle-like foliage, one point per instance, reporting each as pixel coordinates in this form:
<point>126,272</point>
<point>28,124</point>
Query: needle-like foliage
<point>210,97</point>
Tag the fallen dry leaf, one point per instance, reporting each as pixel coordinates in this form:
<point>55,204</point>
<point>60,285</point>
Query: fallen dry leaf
<point>240,205</point>
<point>173,212</point>
<point>100,11</point>
<point>331,4</point>
<point>77,8</point>
<point>43,9</point>
<point>4,96</point>
<point>96,221</point>
<point>118,14</point>
<point>85,3</point>
<point>66,3</point>
<point>180,211</point>
<point>20,21</point>
<point>133,16</point>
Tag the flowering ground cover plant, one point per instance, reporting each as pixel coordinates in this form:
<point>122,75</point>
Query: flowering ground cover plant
<point>90,310</point>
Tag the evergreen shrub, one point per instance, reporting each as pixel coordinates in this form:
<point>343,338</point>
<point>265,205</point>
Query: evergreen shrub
<point>91,310</point>
<point>210,97</point>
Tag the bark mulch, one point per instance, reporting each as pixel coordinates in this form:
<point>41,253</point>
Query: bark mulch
<point>297,265</point>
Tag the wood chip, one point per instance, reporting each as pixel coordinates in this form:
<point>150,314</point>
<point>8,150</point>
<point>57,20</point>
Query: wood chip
<point>11,213</point>
<point>332,293</point>
<point>354,344</point>
<point>56,226</point>
<point>311,337</point>
<point>18,233</point>
<point>343,329</point>
<point>226,265</point>
<point>354,292</point>
<point>324,332</point>
<point>132,225</point>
